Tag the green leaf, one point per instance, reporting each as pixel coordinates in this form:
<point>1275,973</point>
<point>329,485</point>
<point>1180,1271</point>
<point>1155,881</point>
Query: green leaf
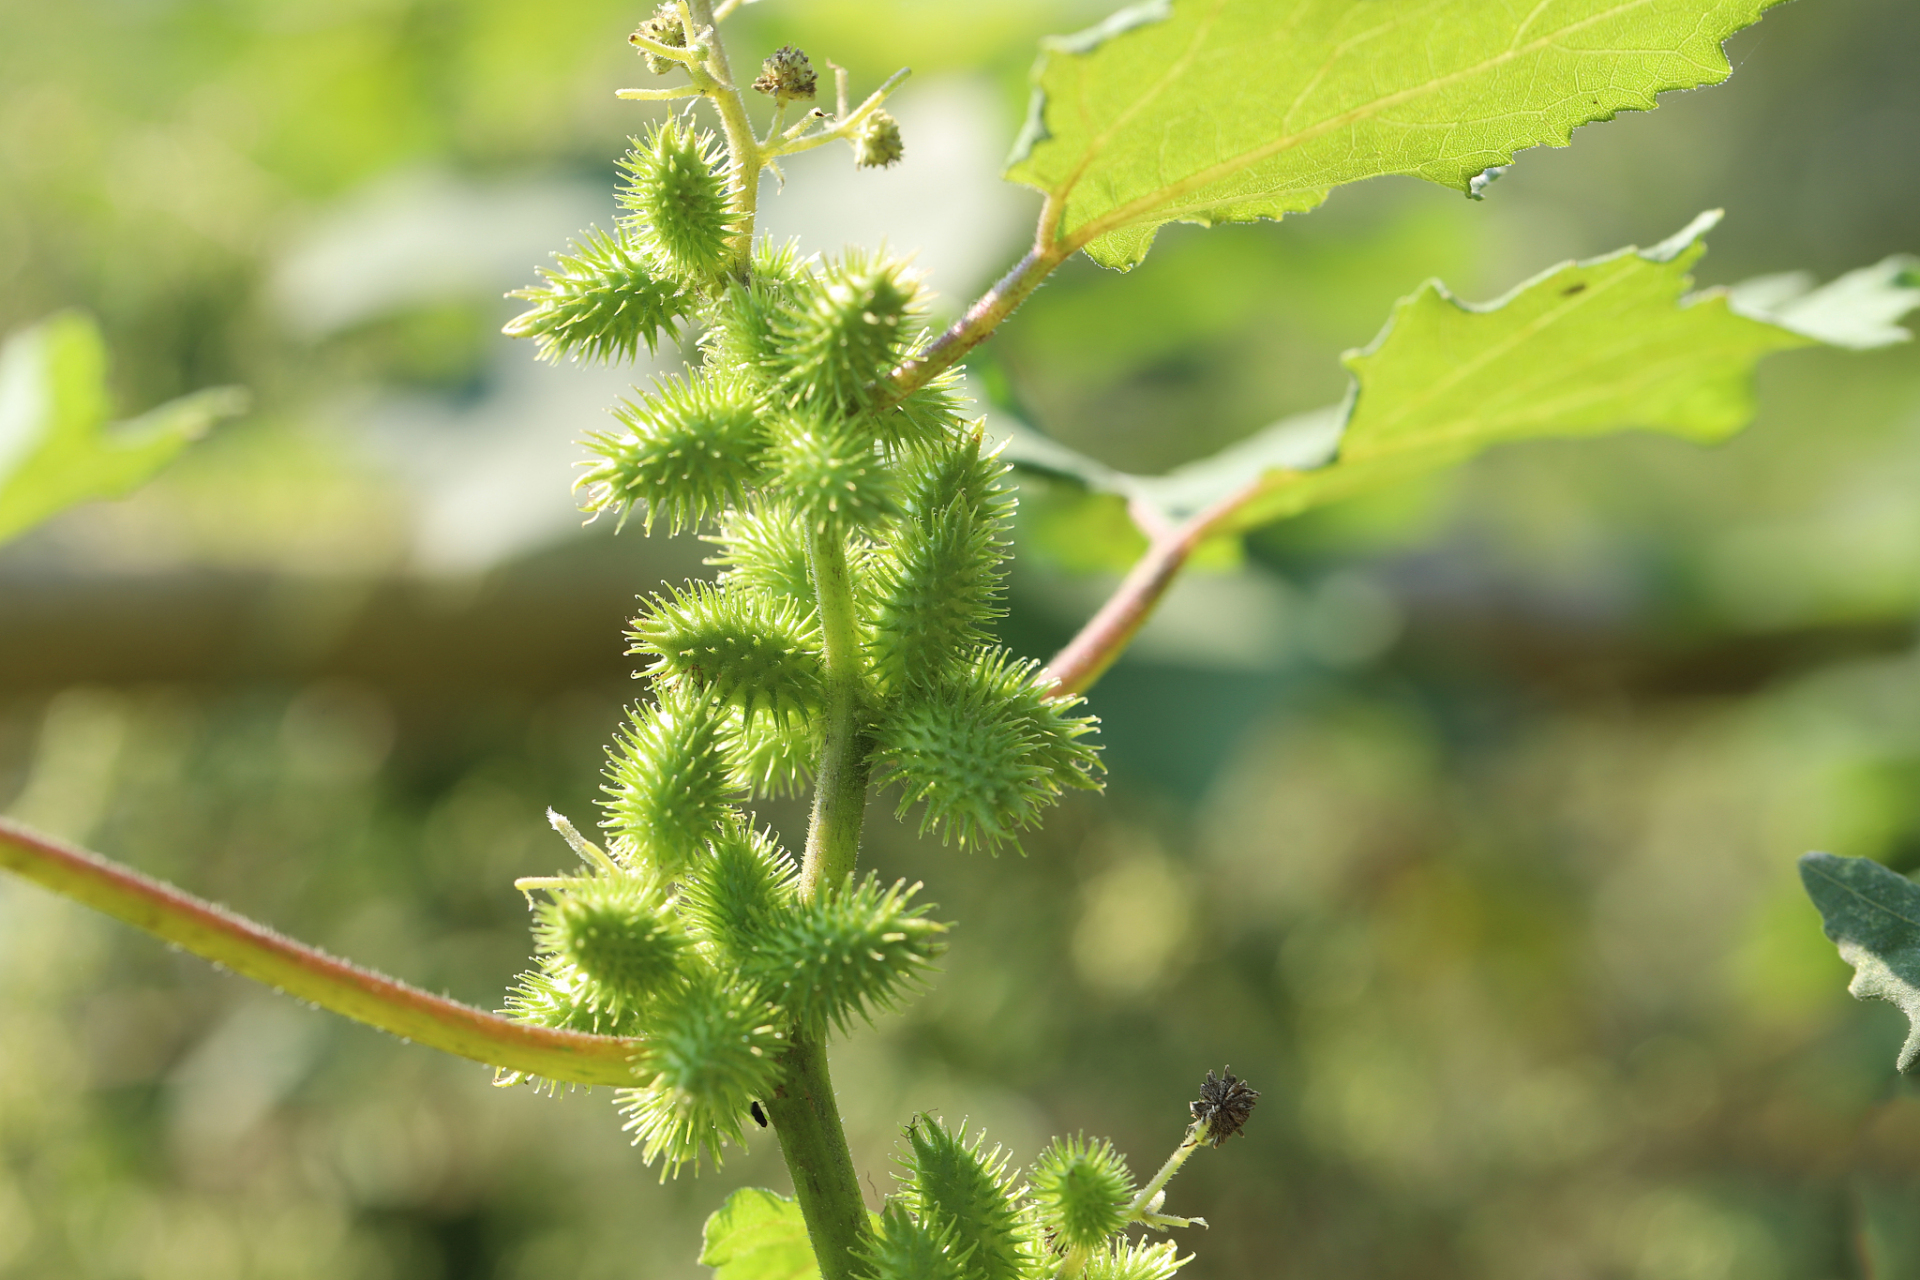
<point>1873,915</point>
<point>1584,349</point>
<point>1214,111</point>
<point>757,1235</point>
<point>56,449</point>
<point>1859,310</point>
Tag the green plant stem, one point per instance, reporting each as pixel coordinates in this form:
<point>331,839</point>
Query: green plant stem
<point>255,951</point>
<point>742,147</point>
<point>813,1143</point>
<point>1143,1208</point>
<point>840,789</point>
<point>803,1111</point>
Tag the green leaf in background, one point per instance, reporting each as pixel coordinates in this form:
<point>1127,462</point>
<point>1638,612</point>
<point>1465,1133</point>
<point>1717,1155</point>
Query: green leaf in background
<point>1584,349</point>
<point>1214,111</point>
<point>1873,915</point>
<point>757,1235</point>
<point>56,447</point>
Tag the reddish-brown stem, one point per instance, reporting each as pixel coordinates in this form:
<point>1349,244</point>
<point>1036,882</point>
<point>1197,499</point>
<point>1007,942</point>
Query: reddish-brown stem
<point>980,320</point>
<point>255,951</point>
<point>1106,635</point>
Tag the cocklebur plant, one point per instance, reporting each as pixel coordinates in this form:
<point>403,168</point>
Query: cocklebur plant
<point>860,538</point>
<point>859,516</point>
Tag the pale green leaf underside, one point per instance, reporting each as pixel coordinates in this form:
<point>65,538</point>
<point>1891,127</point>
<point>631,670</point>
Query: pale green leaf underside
<point>1873,915</point>
<point>1584,349</point>
<point>56,448</point>
<point>1214,111</point>
<point>758,1235</point>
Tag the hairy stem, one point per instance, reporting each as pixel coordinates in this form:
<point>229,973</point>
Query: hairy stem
<point>980,320</point>
<point>840,790</point>
<point>1143,1207</point>
<point>807,1118</point>
<point>803,1111</point>
<point>743,148</point>
<point>1106,635</point>
<point>255,951</point>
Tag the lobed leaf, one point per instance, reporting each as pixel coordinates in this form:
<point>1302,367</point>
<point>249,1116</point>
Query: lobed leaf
<point>758,1235</point>
<point>56,447</point>
<point>1213,111</point>
<point>1872,914</point>
<point>1584,349</point>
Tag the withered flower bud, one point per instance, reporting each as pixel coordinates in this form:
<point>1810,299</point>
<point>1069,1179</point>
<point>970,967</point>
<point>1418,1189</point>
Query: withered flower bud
<point>1223,1106</point>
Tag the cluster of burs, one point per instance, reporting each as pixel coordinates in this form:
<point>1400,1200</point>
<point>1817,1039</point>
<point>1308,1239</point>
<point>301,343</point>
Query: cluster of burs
<point>787,445</point>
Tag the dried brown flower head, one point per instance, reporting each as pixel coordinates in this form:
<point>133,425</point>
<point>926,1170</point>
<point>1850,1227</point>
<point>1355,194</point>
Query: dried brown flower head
<point>1224,1104</point>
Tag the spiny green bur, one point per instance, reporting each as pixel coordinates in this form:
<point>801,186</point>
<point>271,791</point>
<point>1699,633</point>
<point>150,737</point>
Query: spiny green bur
<point>961,1190</point>
<point>688,452</point>
<point>1082,1189</point>
<point>852,951</point>
<point>601,302</point>
<point>668,784</point>
<point>676,198</point>
<point>905,1248</point>
<point>617,933</point>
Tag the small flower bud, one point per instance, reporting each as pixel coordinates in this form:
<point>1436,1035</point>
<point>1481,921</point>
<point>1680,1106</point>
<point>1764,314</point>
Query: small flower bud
<point>787,76</point>
<point>663,27</point>
<point>877,143</point>
<point>1224,1104</point>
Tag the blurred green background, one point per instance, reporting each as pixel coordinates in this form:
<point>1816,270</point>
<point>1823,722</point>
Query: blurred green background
<point>1459,819</point>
